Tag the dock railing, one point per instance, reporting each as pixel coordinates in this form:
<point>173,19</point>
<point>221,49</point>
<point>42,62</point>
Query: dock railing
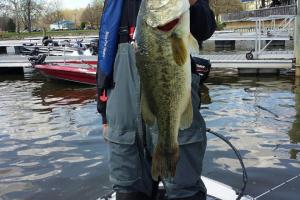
<point>265,12</point>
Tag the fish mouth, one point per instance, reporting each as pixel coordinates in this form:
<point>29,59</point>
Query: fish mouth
<point>168,26</point>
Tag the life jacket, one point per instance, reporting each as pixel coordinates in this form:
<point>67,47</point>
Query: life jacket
<point>108,35</point>
<point>117,26</point>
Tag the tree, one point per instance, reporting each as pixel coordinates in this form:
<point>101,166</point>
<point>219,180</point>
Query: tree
<point>30,12</point>
<point>225,6</point>
<point>92,13</point>
<point>2,7</point>
<point>73,15</point>
<point>2,24</point>
<point>24,12</point>
<point>14,6</point>
<point>52,14</point>
<point>82,25</point>
<point>10,25</point>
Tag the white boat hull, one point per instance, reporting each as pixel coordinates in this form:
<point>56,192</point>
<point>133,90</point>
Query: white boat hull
<point>215,190</point>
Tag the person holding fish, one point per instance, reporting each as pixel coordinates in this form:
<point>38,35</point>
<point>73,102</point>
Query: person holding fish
<point>147,86</point>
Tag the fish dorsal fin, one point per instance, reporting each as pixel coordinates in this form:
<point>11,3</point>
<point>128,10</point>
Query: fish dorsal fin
<point>193,45</point>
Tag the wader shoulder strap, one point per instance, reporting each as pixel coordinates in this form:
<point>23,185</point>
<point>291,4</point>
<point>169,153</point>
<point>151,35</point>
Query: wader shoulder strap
<point>128,21</point>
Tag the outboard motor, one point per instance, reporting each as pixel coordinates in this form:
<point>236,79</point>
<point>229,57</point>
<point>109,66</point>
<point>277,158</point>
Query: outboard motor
<point>94,46</point>
<point>34,52</point>
<point>36,60</point>
<point>46,40</point>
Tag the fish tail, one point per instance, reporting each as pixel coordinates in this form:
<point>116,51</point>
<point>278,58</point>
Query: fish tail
<point>164,161</point>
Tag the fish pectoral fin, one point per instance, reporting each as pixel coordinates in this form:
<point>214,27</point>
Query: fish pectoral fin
<point>193,45</point>
<point>147,114</point>
<point>187,116</point>
<point>180,52</point>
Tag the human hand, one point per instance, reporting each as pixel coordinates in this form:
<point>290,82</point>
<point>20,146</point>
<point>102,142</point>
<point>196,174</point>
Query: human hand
<point>192,2</point>
<point>105,132</point>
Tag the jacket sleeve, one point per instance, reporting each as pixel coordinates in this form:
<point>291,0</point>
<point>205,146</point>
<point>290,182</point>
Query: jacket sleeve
<point>104,80</point>
<point>203,23</point>
<point>103,83</point>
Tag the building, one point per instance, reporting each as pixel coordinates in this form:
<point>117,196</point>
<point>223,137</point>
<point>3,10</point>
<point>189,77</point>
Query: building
<point>63,25</point>
<point>249,5</point>
<point>245,20</point>
<point>257,4</point>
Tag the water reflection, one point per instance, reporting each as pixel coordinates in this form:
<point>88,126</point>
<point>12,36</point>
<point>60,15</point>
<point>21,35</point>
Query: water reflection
<point>294,133</point>
<point>51,145</point>
<point>255,113</point>
<point>50,136</point>
<point>64,94</point>
<point>204,94</point>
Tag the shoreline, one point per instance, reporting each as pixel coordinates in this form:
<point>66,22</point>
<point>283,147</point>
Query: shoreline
<point>20,36</point>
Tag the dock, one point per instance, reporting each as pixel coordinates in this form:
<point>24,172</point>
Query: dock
<point>243,65</point>
<point>272,63</point>
<point>258,60</point>
<point>249,36</point>
<point>38,40</point>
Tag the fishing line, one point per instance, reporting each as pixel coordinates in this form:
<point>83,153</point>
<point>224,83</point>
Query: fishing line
<point>276,187</point>
<point>245,176</point>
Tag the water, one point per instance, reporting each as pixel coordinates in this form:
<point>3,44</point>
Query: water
<point>51,145</point>
<point>261,118</point>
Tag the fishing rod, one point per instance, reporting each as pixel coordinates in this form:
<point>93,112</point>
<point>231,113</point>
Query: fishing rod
<point>276,187</point>
<point>245,176</point>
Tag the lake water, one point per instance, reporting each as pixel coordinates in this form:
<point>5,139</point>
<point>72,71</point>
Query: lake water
<point>51,145</point>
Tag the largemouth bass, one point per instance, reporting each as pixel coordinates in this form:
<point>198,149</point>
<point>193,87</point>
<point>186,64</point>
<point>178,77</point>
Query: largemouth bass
<point>163,61</point>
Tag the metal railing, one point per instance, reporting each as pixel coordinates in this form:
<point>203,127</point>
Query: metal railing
<point>265,12</point>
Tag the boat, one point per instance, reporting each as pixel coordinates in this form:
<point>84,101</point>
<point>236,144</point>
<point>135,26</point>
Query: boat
<point>215,191</point>
<point>78,71</point>
<point>85,72</point>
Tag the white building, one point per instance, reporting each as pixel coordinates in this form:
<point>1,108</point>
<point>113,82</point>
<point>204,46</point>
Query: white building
<point>62,25</point>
